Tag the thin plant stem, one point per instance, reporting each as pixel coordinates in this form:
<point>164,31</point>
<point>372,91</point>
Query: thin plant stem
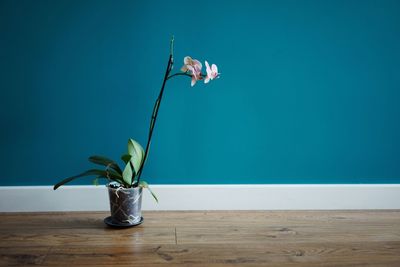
<point>179,74</point>
<point>155,113</point>
<point>156,107</point>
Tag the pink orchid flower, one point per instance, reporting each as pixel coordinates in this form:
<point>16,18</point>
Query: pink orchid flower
<point>212,72</point>
<point>194,67</point>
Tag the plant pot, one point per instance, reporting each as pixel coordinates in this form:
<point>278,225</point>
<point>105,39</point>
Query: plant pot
<point>125,205</point>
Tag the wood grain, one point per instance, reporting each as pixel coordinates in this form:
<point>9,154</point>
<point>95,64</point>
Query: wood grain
<point>217,238</point>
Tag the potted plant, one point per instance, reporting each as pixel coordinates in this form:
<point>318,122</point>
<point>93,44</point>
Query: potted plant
<point>124,184</point>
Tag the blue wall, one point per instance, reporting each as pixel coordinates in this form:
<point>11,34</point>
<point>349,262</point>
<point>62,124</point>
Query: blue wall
<point>309,91</point>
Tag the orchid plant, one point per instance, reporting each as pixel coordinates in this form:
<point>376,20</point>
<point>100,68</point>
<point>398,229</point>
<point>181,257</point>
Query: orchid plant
<point>136,156</point>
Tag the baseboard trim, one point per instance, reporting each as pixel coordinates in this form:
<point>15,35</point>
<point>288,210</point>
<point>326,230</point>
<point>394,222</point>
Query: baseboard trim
<point>208,197</point>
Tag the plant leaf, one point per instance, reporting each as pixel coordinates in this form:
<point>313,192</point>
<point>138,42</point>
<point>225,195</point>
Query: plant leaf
<point>113,175</point>
<point>143,184</point>
<point>110,174</point>
<point>105,162</point>
<point>96,181</point>
<point>137,153</point>
<point>127,174</point>
<point>126,158</point>
<point>86,173</point>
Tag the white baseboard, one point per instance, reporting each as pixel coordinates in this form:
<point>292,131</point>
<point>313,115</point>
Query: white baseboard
<point>208,197</point>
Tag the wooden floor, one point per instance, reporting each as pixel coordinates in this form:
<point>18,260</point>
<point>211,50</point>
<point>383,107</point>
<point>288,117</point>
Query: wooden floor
<point>301,238</point>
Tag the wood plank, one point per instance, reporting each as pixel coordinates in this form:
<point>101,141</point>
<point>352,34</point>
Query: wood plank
<point>52,220</point>
<point>200,218</point>
<point>22,256</point>
<point>296,234</point>
<point>87,237</point>
<point>185,235</point>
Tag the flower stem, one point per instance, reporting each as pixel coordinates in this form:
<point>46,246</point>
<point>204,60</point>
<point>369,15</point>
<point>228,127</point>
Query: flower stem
<point>178,74</point>
<point>155,113</point>
<point>156,107</point>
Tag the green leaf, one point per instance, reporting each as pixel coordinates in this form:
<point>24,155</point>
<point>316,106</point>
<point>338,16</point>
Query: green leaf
<point>127,174</point>
<point>113,175</point>
<point>105,162</point>
<point>143,184</point>
<point>137,153</point>
<point>86,173</point>
<point>96,181</point>
<point>126,158</point>
<point>110,174</point>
